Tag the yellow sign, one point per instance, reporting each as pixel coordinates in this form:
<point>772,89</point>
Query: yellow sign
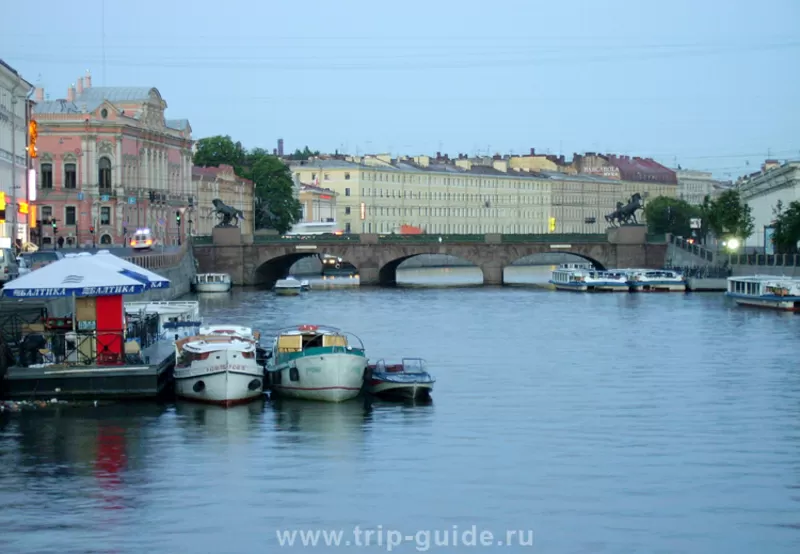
<point>23,207</point>
<point>33,134</point>
<point>32,216</point>
<point>552,224</point>
<point>2,200</point>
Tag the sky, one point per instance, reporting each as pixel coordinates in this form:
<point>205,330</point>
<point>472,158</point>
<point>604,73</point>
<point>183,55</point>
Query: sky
<point>706,84</point>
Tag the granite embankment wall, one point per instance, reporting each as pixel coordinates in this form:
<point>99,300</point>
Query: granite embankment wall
<point>180,273</point>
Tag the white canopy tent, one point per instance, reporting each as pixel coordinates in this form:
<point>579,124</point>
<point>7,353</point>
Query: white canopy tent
<point>76,275</point>
<point>154,280</point>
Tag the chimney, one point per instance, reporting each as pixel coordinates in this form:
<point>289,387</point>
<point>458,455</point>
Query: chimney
<point>71,93</point>
<point>87,81</point>
<point>280,147</point>
<point>39,94</point>
<point>533,151</point>
<point>80,85</point>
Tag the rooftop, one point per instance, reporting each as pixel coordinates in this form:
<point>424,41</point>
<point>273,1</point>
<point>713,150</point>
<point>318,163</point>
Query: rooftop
<point>211,173</point>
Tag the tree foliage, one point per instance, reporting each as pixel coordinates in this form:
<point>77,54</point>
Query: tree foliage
<point>787,228</point>
<point>728,216</point>
<point>303,154</point>
<point>274,204</point>
<point>670,215</point>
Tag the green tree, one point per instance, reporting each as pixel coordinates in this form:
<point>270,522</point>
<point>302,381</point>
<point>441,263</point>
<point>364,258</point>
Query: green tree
<point>728,216</point>
<point>220,150</point>
<point>787,228</point>
<point>304,154</point>
<point>276,206</point>
<point>670,215</point>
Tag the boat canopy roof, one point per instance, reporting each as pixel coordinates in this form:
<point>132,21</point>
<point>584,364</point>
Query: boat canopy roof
<point>228,330</point>
<point>214,343</point>
<point>309,329</point>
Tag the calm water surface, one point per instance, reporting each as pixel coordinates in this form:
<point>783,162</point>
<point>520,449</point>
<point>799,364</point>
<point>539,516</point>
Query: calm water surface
<point>602,423</point>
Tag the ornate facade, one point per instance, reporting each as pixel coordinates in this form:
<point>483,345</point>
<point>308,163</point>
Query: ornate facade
<point>110,161</point>
<point>220,182</point>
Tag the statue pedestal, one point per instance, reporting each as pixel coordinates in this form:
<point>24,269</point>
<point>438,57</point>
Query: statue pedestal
<point>226,236</point>
<point>627,234</point>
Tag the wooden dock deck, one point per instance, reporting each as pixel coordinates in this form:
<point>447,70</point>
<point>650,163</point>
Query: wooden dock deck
<point>147,380</point>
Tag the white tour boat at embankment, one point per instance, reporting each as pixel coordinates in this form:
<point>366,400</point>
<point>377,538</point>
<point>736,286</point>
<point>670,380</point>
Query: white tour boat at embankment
<point>765,291</point>
<point>654,280</point>
<point>212,282</point>
<point>583,277</point>
<point>316,362</point>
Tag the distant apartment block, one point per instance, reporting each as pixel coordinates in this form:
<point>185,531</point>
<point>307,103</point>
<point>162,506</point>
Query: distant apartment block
<point>511,194</point>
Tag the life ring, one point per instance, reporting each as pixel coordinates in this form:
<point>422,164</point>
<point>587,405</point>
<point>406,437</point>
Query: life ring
<point>308,327</point>
<point>338,265</point>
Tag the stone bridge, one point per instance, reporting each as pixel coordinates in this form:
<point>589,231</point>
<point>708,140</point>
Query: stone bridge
<point>378,256</point>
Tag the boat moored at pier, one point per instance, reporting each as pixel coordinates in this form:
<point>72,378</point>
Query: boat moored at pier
<point>408,380</point>
<point>585,278</point>
<point>655,280</point>
<point>212,282</point>
<point>765,291</point>
<point>316,362</point>
<point>217,369</point>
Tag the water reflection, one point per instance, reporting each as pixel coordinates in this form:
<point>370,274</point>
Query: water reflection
<point>236,423</point>
<point>303,421</point>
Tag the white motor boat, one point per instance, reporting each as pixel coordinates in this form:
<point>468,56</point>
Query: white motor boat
<point>212,282</point>
<point>316,362</point>
<point>288,287</point>
<point>217,369</point>
<point>655,280</point>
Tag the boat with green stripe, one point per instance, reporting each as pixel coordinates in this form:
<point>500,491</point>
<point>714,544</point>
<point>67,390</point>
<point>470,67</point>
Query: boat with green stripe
<point>316,362</point>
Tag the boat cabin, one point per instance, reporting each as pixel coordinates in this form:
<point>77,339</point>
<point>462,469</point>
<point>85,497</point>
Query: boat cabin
<point>201,347</point>
<point>212,278</point>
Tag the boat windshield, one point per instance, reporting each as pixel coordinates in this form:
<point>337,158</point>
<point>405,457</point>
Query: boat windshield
<point>413,365</point>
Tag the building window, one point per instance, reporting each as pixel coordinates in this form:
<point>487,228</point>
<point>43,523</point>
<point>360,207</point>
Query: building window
<point>46,212</point>
<point>347,227</point>
<point>46,176</point>
<point>346,176</point>
<point>105,215</point>
<point>70,176</point>
<point>347,191</point>
<point>69,215</point>
<point>347,210</point>
<point>104,173</point>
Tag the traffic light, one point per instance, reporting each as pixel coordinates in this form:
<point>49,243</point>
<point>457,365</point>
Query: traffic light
<point>178,217</point>
<point>91,229</point>
<point>55,227</point>
<point>552,224</point>
<point>2,206</point>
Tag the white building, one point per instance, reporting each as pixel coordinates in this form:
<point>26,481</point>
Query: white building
<point>14,119</point>
<point>694,186</point>
<point>762,191</point>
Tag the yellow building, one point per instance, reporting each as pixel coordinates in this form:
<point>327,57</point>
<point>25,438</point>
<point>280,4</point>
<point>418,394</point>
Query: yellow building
<point>220,182</point>
<point>378,194</point>
<point>319,204</point>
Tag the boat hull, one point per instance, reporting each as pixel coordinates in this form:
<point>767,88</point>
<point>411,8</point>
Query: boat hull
<point>658,286</point>
<point>785,304</point>
<point>212,287</point>
<point>326,376</point>
<point>403,391</point>
<point>226,382</point>
<point>571,287</point>
<point>287,291</point>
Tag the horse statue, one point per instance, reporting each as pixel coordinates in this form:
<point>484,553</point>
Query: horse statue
<point>626,214</point>
<point>230,216</point>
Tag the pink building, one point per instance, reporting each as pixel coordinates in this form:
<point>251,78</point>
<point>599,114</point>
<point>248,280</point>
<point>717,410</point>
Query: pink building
<point>108,159</point>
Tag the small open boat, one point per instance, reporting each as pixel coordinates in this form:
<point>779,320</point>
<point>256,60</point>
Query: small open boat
<point>406,380</point>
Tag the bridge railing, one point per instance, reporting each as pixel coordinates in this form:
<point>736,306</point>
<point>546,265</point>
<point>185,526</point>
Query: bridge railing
<point>394,239</point>
<point>155,260</point>
<point>692,248</point>
<point>562,238</point>
<point>764,260</point>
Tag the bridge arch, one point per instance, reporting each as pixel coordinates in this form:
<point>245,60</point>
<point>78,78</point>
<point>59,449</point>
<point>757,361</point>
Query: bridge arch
<point>387,272</point>
<point>578,255</point>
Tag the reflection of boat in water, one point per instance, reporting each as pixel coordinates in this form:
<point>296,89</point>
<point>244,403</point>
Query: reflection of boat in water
<point>220,420</point>
<point>320,419</point>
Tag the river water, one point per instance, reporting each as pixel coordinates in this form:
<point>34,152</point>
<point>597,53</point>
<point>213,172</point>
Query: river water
<point>600,423</point>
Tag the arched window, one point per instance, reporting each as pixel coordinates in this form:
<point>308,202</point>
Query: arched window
<point>104,173</point>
